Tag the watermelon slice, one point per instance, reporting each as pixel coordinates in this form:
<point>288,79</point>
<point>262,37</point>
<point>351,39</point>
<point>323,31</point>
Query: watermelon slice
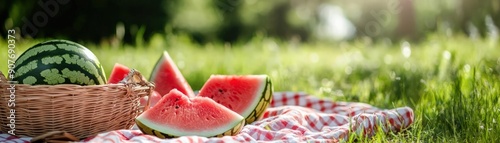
<point>167,76</point>
<point>247,95</point>
<point>179,115</point>
<point>118,73</point>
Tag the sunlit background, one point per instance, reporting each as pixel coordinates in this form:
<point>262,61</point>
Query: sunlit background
<point>439,57</point>
<point>128,22</point>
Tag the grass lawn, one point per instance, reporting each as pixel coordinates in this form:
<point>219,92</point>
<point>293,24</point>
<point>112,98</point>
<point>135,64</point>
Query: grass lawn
<point>452,83</point>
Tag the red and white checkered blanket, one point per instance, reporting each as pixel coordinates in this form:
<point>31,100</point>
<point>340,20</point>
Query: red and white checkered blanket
<point>291,117</point>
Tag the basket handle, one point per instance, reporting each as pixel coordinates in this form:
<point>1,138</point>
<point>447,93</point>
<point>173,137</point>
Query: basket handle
<point>134,79</point>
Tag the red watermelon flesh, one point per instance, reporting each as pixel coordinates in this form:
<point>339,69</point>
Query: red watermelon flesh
<point>118,73</point>
<point>247,95</point>
<point>179,115</point>
<point>167,76</point>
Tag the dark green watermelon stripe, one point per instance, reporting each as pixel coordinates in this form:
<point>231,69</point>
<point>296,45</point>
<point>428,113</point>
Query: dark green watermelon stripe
<point>143,128</point>
<point>71,67</point>
<point>93,77</point>
<point>158,133</point>
<point>83,51</point>
<point>32,52</point>
<point>96,64</point>
<point>49,47</point>
<point>75,63</point>
<point>82,62</point>
<point>75,76</point>
<point>52,76</point>
<point>92,67</point>
<point>74,51</point>
<point>42,80</point>
<point>38,79</point>
<point>25,69</point>
<point>150,131</point>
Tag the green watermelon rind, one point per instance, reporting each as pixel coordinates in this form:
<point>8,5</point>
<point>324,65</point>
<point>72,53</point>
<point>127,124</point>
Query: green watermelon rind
<point>261,99</point>
<point>171,131</point>
<point>65,73</point>
<point>157,67</point>
<point>263,102</point>
<point>260,94</point>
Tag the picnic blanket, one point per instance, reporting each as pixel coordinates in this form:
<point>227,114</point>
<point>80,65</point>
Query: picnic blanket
<point>291,117</point>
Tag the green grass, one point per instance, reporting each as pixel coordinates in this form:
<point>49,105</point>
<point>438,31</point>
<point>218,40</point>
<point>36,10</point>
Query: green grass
<point>452,83</point>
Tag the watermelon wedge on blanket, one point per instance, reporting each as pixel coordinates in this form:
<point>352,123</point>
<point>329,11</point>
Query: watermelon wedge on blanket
<point>247,95</point>
<point>118,73</point>
<point>179,115</point>
<point>166,76</point>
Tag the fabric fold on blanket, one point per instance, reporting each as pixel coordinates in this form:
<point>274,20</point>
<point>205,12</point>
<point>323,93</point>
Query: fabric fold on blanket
<point>295,117</point>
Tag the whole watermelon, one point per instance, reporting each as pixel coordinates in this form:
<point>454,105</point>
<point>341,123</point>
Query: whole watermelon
<point>58,62</point>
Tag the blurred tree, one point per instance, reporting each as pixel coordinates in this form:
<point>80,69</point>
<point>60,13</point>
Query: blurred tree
<point>93,20</point>
<point>4,13</point>
<point>406,25</point>
<point>233,20</point>
<point>374,18</point>
<point>199,19</point>
<point>242,19</point>
<point>231,28</point>
<point>475,12</point>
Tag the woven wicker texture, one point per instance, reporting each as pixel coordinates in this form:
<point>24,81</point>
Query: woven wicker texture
<point>79,110</point>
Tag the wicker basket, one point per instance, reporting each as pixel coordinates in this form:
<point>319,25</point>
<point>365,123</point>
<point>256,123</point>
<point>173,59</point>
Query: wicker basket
<point>79,110</point>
